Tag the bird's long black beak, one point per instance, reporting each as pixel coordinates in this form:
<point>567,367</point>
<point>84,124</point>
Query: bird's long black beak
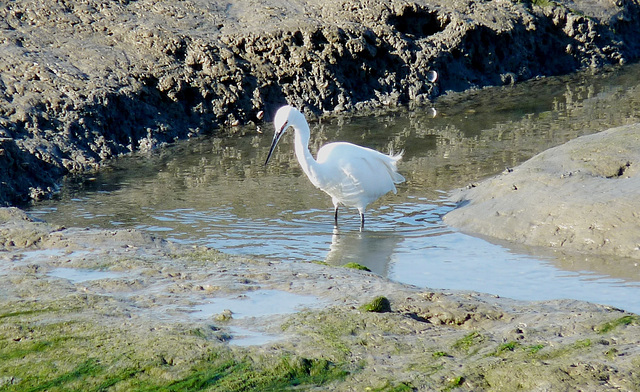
<point>276,139</point>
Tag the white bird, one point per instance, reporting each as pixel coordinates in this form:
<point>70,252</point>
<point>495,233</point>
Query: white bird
<point>352,175</point>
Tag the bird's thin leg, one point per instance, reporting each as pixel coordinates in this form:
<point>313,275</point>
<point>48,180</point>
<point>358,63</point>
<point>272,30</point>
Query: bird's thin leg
<point>335,217</point>
<point>361,221</point>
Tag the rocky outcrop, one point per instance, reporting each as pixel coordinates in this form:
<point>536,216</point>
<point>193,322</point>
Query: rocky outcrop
<point>83,82</point>
<point>580,196</point>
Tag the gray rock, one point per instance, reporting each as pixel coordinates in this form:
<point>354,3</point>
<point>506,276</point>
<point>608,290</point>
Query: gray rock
<point>581,196</point>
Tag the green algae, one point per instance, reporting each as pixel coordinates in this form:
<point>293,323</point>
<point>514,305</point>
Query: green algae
<point>58,349</point>
<point>21,313</point>
<point>33,309</point>
<point>378,305</point>
<point>234,374</point>
<point>36,355</point>
<point>454,383</point>
<point>83,339</point>
<point>622,321</point>
<point>505,347</point>
<point>332,330</point>
<point>583,343</point>
<point>533,349</point>
<point>469,341</point>
<point>356,266</point>
<point>28,348</point>
<point>525,367</point>
<point>88,368</point>
<point>218,373</point>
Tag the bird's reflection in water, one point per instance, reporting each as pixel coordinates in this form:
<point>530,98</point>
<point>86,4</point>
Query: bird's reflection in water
<point>372,249</point>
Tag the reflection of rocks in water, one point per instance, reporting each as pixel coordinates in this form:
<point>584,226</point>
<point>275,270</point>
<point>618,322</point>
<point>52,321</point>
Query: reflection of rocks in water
<point>475,135</point>
<point>369,248</point>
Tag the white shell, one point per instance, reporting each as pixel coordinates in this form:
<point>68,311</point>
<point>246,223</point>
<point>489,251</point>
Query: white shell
<point>432,76</point>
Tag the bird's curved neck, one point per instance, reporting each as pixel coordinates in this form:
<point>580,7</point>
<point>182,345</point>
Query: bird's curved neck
<point>301,145</point>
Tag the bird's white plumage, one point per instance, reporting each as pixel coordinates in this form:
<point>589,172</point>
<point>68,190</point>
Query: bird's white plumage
<point>359,175</point>
<point>352,175</point>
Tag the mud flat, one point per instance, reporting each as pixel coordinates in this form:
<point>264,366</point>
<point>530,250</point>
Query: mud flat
<point>84,82</point>
<point>88,309</point>
<point>581,197</point>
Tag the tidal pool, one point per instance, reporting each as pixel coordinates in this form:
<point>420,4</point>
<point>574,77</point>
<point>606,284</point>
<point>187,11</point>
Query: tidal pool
<point>244,337</point>
<point>216,191</point>
<point>256,304</point>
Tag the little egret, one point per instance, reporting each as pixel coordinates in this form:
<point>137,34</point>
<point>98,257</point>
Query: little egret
<point>352,175</point>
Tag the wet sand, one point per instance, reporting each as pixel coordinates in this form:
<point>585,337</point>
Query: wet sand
<point>121,300</point>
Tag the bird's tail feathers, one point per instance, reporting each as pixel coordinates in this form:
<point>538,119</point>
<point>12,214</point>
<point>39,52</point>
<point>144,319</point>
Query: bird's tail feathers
<point>395,158</point>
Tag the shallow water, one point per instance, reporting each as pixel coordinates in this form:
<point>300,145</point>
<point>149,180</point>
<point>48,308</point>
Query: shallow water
<point>215,191</point>
<point>244,337</point>
<point>257,303</point>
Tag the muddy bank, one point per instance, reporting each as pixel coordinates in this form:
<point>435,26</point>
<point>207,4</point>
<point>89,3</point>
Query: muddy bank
<point>580,196</point>
<point>81,83</point>
<point>86,309</point>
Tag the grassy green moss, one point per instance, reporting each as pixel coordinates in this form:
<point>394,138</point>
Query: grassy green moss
<point>241,375</point>
<point>509,346</point>
<point>468,342</point>
<point>20,313</point>
<point>535,348</point>
<point>582,343</point>
<point>356,266</point>
<point>378,305</point>
<point>75,356</point>
<point>454,383</point>
<point>559,351</point>
<point>611,353</point>
<point>36,308</point>
<point>331,329</point>
<point>622,321</point>
<point>220,373</point>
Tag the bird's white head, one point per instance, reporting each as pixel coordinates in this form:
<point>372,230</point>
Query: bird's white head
<point>286,116</point>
